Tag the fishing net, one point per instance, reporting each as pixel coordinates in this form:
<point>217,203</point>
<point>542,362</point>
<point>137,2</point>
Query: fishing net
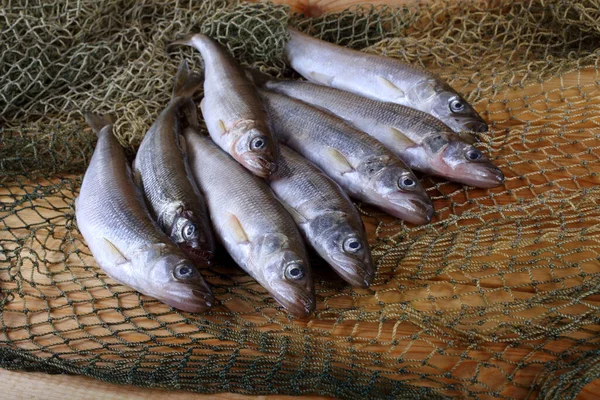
<point>497,298</point>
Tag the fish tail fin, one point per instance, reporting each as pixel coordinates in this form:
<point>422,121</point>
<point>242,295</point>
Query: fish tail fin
<point>186,83</point>
<point>97,121</point>
<point>187,40</point>
<point>257,77</point>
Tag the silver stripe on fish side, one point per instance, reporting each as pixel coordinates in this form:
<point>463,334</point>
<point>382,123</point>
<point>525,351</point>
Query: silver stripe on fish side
<point>361,165</point>
<point>254,227</point>
<point>325,215</point>
<point>234,115</point>
<point>381,78</point>
<point>122,236</point>
<point>161,171</point>
<point>422,141</point>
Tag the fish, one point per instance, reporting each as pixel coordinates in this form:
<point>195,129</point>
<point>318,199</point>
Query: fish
<point>162,172</point>
<point>325,215</point>
<point>124,239</point>
<point>361,165</point>
<point>381,78</point>
<point>422,141</point>
<point>253,225</point>
<point>232,110</point>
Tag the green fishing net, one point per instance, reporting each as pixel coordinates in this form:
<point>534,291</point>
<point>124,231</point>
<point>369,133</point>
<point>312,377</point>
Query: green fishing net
<point>497,298</point>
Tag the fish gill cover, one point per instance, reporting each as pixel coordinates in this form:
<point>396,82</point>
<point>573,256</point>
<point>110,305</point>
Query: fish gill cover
<point>497,297</point>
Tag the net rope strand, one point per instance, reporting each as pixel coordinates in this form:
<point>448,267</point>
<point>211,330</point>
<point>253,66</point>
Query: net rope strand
<point>497,298</point>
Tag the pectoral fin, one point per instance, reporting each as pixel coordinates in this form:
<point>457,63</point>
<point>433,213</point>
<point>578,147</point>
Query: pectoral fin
<point>137,177</point>
<point>114,252</point>
<point>182,144</point>
<point>222,127</point>
<point>321,78</point>
<point>339,161</point>
<point>389,85</point>
<point>237,230</point>
<point>299,218</point>
<point>402,140</point>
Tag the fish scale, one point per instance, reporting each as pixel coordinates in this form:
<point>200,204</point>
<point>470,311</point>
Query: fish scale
<point>124,239</point>
<point>252,224</point>
<point>361,165</point>
<point>380,78</point>
<point>423,142</point>
<point>163,174</point>
<point>325,215</point>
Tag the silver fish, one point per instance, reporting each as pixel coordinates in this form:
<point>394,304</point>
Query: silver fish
<point>253,226</point>
<point>232,110</point>
<point>423,142</point>
<point>325,215</point>
<point>124,239</point>
<point>161,171</point>
<point>358,163</point>
<point>380,78</point>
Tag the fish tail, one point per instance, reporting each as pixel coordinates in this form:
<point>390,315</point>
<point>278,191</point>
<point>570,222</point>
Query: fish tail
<point>97,121</point>
<point>187,40</point>
<point>257,77</point>
<point>186,83</point>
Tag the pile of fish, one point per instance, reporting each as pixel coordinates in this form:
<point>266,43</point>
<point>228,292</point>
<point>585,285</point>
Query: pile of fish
<point>282,158</point>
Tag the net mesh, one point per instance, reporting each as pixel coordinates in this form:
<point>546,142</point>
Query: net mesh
<point>497,298</point>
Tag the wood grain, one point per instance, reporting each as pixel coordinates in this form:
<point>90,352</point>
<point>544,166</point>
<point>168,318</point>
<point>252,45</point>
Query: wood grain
<point>16,385</point>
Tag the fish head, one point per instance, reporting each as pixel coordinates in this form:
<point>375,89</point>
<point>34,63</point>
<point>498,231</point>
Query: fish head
<point>257,151</point>
<point>399,191</point>
<point>344,247</point>
<point>187,233</point>
<point>174,280</point>
<point>464,163</point>
<point>285,274</point>
<point>448,106</point>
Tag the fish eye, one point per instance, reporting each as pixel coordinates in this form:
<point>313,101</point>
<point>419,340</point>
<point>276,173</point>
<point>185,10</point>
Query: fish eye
<point>474,155</point>
<point>352,245</point>
<point>183,271</point>
<point>407,183</point>
<point>294,271</point>
<point>189,230</point>
<point>457,106</point>
<point>258,143</point>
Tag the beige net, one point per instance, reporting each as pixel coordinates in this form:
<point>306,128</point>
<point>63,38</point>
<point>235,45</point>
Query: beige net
<point>497,298</point>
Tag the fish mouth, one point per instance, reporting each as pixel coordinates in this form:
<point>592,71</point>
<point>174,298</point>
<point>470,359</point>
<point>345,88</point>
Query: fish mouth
<point>196,298</point>
<point>476,126</point>
<point>357,273</point>
<point>480,176</point>
<point>200,257</point>
<point>414,210</point>
<point>296,300</point>
<point>260,165</point>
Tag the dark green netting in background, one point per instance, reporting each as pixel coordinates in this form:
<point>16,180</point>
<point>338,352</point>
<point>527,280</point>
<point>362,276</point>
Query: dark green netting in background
<point>497,298</point>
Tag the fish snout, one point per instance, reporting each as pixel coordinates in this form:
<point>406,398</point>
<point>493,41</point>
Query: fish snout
<point>298,301</point>
<point>356,272</point>
<point>195,297</point>
<point>199,256</point>
<point>415,210</point>
<point>260,165</point>
<point>477,126</point>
